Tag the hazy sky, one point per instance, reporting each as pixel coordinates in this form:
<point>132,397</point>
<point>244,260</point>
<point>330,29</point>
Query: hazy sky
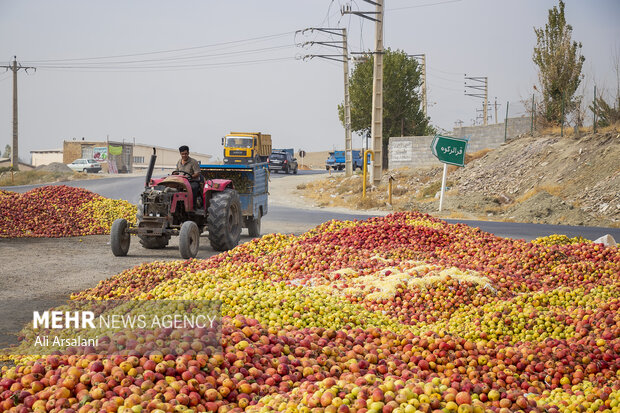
<point>187,72</point>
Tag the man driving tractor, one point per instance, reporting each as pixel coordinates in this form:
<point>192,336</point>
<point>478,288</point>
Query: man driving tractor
<point>192,167</point>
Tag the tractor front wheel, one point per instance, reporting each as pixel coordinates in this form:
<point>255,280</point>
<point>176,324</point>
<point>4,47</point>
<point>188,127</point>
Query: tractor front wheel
<point>224,220</point>
<point>119,237</point>
<point>189,239</point>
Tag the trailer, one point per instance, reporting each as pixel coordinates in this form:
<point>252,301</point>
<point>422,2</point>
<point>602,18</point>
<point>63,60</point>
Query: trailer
<point>251,183</point>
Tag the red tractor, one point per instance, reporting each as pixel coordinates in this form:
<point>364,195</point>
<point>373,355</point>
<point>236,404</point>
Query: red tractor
<point>166,208</point>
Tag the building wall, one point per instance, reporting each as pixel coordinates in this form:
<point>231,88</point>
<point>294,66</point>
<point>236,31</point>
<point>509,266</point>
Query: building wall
<point>46,157</point>
<point>415,151</point>
<point>6,163</point>
<point>73,150</point>
<point>492,136</point>
<point>411,151</point>
<point>166,157</point>
<point>134,157</point>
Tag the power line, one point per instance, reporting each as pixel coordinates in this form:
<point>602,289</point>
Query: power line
<point>164,51</point>
<point>445,88</point>
<point>424,5</point>
<point>168,59</point>
<point>167,68</point>
<point>446,72</point>
<point>446,79</point>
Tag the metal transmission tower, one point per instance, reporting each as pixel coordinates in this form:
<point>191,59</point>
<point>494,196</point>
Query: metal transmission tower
<point>15,148</point>
<point>480,84</point>
<point>422,57</point>
<point>344,58</point>
<point>377,85</point>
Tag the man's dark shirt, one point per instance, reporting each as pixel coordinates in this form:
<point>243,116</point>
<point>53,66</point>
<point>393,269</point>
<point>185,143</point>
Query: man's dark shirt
<point>191,166</point>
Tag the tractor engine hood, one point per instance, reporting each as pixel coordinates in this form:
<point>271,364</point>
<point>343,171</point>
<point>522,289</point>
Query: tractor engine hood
<point>174,181</point>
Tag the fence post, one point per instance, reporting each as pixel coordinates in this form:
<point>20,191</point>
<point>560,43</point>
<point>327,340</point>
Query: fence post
<point>594,110</point>
<point>562,127</point>
<point>506,122</point>
<point>532,118</point>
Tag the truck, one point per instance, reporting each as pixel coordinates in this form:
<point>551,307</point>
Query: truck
<point>336,160</point>
<point>231,197</point>
<point>242,148</point>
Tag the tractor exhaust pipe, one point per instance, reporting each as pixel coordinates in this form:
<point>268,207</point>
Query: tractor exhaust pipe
<point>149,172</point>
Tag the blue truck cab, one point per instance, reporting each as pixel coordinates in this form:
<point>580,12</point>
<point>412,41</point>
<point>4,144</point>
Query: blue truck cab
<point>337,160</point>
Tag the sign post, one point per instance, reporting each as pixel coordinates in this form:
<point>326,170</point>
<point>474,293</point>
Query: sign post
<point>449,151</point>
<point>302,155</point>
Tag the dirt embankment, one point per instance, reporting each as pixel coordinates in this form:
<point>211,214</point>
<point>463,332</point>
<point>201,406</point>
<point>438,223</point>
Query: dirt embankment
<point>548,179</point>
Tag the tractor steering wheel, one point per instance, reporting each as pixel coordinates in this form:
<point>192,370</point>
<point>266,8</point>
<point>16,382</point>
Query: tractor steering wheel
<point>187,174</point>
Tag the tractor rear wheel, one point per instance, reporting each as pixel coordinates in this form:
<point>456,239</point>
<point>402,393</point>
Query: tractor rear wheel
<point>189,239</point>
<point>224,220</point>
<point>119,237</point>
<point>154,243</point>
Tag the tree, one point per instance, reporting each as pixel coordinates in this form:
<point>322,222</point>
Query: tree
<point>606,114</point>
<point>7,151</point>
<point>559,62</point>
<point>402,114</point>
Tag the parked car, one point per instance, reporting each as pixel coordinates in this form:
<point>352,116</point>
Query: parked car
<point>282,161</point>
<point>85,165</point>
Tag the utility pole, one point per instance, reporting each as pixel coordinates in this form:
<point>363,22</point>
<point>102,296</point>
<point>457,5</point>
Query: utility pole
<point>479,115</point>
<point>344,58</point>
<point>496,104</point>
<point>376,126</point>
<point>348,144</point>
<point>480,84</point>
<point>15,149</point>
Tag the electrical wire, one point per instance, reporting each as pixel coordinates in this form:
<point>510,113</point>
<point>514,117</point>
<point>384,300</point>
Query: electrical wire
<point>446,72</point>
<point>424,5</point>
<point>431,74</point>
<point>250,40</point>
<point>445,88</point>
<point>168,68</point>
<point>168,59</point>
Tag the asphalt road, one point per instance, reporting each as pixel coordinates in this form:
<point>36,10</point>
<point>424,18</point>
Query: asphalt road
<point>130,187</point>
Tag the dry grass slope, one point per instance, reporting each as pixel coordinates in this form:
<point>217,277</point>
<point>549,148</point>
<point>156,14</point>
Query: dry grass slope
<point>572,180</point>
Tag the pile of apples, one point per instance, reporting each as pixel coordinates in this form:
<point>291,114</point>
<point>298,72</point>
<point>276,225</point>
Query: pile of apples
<point>402,313</point>
<point>59,211</point>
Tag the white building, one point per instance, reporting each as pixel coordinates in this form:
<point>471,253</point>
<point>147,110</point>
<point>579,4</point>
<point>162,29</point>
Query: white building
<point>46,157</point>
<point>166,157</point>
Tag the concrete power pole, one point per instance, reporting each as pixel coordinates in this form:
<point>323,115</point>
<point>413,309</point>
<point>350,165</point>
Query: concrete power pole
<point>15,148</point>
<point>347,108</point>
<point>481,84</point>
<point>344,58</point>
<point>377,97</point>
<point>376,126</point>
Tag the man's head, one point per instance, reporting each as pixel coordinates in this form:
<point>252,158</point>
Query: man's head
<point>184,151</point>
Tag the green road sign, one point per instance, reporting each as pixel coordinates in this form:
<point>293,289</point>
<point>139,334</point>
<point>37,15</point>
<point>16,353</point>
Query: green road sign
<point>449,150</point>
